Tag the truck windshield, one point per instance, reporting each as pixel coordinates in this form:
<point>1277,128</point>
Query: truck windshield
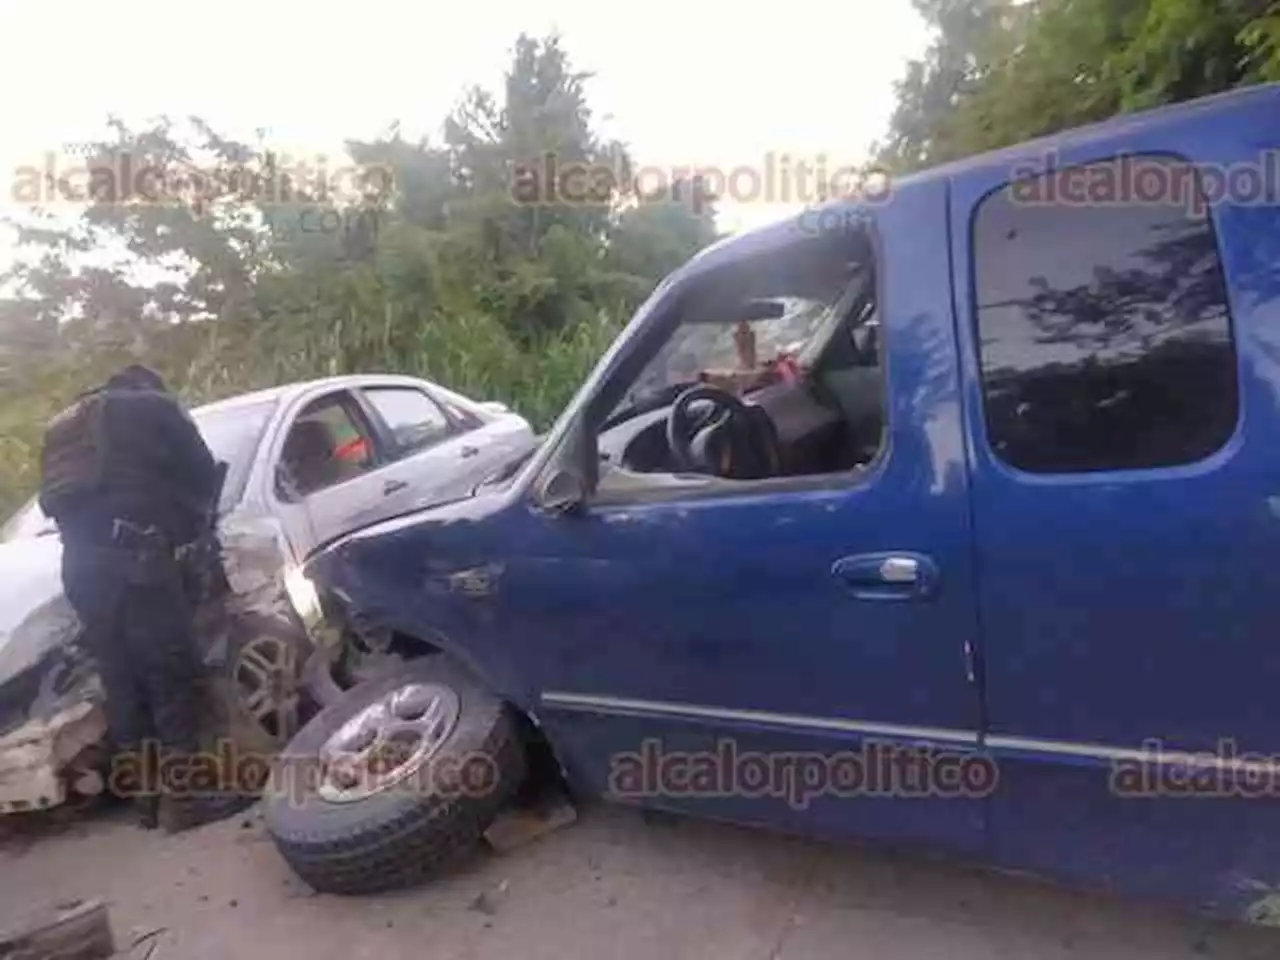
<point>701,347</point>
<point>787,314</point>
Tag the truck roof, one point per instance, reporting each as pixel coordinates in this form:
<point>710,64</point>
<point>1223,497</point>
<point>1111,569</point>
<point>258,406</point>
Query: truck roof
<point>1254,105</point>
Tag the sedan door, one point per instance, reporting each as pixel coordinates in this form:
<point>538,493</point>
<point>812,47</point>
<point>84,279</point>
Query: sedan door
<point>438,450</point>
<point>332,473</point>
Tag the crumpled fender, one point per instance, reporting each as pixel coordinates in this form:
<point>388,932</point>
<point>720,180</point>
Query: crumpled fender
<point>65,719</point>
<point>256,555</point>
<point>48,624</point>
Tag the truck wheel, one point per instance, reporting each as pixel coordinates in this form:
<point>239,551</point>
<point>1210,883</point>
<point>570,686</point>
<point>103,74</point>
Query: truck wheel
<point>393,781</point>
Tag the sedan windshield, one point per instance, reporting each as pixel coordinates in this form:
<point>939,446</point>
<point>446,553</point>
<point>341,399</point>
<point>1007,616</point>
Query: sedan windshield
<point>232,435</point>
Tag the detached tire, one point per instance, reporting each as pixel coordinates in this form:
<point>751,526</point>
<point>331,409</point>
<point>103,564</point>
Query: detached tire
<point>367,837</point>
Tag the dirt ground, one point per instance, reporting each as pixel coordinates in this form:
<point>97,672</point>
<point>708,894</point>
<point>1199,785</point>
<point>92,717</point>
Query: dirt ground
<point>616,885</point>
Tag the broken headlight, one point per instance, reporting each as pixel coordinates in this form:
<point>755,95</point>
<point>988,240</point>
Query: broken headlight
<point>304,597</point>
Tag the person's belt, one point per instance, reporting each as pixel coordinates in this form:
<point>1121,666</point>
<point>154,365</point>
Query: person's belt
<point>126,533</point>
<point>191,548</point>
<point>130,535</point>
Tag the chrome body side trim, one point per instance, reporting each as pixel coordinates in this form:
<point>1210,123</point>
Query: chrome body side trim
<point>583,703</point>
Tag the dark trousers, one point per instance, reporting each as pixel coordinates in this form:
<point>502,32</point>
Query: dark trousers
<point>137,620</point>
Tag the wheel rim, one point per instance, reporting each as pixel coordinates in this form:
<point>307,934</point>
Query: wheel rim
<point>267,678</point>
<point>387,741</point>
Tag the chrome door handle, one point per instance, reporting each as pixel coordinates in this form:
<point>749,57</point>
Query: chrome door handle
<point>393,486</point>
<point>899,569</point>
<point>888,576</point>
<point>469,451</point>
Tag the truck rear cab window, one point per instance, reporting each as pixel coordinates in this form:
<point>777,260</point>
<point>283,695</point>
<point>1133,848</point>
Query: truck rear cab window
<point>1104,334</point>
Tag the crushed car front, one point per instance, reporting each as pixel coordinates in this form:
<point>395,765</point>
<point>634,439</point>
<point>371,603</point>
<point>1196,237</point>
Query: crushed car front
<point>51,715</point>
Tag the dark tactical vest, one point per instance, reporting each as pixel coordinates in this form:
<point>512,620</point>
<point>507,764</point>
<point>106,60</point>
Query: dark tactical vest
<point>73,460</point>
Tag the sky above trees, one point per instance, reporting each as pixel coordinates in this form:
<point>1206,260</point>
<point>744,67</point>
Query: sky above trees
<point>682,83</point>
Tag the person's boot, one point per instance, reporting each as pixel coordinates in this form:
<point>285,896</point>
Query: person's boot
<point>132,781</point>
<point>178,814</point>
<point>147,809</point>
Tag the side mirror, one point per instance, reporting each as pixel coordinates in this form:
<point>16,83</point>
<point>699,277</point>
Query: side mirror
<point>569,479</point>
<point>561,491</point>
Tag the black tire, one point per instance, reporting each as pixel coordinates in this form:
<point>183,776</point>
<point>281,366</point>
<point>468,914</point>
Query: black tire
<point>403,835</point>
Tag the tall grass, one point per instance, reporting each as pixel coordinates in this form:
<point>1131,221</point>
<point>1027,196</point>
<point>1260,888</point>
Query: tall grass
<point>468,352</point>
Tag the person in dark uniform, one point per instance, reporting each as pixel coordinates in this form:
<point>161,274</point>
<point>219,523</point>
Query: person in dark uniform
<point>132,487</point>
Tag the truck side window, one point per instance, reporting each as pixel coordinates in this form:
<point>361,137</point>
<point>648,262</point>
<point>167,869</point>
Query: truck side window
<point>1103,329</point>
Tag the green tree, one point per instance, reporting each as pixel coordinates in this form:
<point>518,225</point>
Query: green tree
<point>461,258</point>
<point>1002,71</point>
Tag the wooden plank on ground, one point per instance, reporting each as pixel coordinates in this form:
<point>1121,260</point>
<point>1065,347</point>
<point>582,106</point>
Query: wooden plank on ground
<point>521,825</point>
<point>70,931</point>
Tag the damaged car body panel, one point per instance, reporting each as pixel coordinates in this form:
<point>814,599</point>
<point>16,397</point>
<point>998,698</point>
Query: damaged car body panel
<point>34,615</point>
<point>40,758</point>
<point>279,503</point>
<point>259,563</point>
<point>50,697</point>
<point>52,722</point>
<point>964,475</point>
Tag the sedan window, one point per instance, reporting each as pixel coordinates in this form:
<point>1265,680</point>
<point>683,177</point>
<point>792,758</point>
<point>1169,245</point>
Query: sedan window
<point>326,445</point>
<point>414,419</point>
<point>232,434</point>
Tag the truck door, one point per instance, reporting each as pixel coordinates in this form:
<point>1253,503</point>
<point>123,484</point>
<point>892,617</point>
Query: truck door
<point>806,619</point>
<point>1121,361</point>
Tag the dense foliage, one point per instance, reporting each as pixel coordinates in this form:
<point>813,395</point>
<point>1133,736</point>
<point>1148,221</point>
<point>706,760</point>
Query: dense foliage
<point>1002,71</point>
<point>458,258</point>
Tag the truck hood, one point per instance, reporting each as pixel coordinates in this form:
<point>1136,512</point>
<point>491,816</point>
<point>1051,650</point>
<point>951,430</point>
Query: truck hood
<point>35,616</point>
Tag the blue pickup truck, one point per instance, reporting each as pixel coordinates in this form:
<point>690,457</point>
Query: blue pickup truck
<point>949,515</point>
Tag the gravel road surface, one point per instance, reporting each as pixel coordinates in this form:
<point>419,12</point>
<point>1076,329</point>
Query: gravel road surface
<point>616,885</point>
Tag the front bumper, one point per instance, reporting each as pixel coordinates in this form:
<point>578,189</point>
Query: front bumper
<point>35,757</point>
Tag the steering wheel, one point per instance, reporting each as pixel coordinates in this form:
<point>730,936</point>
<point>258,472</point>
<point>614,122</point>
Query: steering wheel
<point>726,438</point>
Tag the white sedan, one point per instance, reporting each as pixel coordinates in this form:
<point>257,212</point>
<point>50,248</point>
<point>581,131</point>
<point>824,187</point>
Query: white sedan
<point>306,463</point>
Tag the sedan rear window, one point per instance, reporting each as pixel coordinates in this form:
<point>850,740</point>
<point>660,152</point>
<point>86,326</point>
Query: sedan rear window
<point>232,434</point>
